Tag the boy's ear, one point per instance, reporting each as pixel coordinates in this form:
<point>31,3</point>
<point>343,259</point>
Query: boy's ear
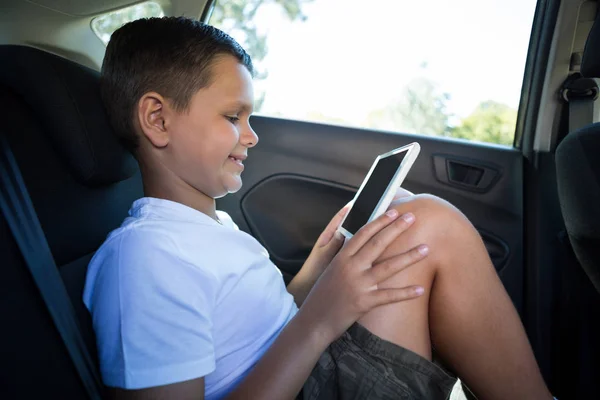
<point>151,113</point>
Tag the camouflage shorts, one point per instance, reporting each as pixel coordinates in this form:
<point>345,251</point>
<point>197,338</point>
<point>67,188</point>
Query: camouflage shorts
<point>360,365</point>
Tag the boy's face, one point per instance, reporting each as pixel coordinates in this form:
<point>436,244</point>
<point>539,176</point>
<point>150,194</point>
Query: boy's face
<point>208,144</point>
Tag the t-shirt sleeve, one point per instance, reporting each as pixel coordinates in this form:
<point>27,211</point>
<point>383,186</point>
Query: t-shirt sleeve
<point>152,313</point>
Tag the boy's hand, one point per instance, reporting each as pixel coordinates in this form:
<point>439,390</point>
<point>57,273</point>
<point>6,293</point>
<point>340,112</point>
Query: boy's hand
<point>349,287</point>
<point>331,241</point>
<point>323,252</point>
<point>328,244</point>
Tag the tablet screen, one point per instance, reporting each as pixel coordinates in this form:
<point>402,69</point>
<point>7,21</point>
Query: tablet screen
<point>372,192</point>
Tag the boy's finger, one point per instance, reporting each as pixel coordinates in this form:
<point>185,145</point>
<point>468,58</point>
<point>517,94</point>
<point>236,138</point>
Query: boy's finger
<point>388,268</point>
<point>376,245</point>
<point>366,233</point>
<point>330,230</point>
<point>334,246</point>
<point>382,297</point>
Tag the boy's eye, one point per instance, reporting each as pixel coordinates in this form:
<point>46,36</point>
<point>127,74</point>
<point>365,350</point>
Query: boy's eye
<point>233,119</point>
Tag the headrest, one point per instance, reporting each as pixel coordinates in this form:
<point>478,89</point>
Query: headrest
<point>590,64</point>
<point>65,97</point>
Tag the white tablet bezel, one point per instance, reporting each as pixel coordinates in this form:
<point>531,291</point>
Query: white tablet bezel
<point>412,150</point>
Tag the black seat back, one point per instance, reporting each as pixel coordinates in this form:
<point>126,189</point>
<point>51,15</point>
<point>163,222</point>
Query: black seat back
<point>81,182</point>
<point>576,313</point>
<point>578,173</point>
<point>578,176</point>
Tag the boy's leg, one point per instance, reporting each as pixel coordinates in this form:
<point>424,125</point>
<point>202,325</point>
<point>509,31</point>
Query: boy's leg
<point>465,313</point>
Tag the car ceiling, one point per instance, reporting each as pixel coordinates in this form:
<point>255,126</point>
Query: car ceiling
<point>83,7</point>
<point>62,27</point>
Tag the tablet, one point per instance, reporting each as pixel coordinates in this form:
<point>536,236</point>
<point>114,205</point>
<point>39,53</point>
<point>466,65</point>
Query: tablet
<point>378,188</point>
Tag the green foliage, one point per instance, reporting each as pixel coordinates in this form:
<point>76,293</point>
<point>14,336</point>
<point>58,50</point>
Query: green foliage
<point>425,108</point>
<point>421,109</point>
<point>491,122</point>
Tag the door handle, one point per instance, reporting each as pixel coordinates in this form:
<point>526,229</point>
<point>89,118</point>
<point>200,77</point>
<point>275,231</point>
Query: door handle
<point>465,173</point>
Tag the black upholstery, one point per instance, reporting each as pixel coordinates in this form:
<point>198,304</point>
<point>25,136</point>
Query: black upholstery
<point>81,182</point>
<point>578,176</point>
<point>65,98</point>
<point>590,64</point>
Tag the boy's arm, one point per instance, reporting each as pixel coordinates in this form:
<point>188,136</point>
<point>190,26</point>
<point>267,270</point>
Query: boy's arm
<point>280,373</point>
<point>302,283</point>
<point>346,290</point>
<point>283,369</point>
<point>327,246</point>
<point>188,390</point>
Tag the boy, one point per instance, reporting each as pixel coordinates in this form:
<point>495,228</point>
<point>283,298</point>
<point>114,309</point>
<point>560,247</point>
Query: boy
<point>186,306</point>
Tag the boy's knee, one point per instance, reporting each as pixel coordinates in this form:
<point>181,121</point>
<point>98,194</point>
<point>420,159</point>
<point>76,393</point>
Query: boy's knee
<point>432,212</point>
<point>437,223</point>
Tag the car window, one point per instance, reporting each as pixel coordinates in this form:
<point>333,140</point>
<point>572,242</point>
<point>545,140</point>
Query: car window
<point>105,25</point>
<point>437,67</point>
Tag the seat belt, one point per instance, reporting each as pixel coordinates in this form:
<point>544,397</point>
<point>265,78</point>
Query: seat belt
<point>22,220</point>
<point>580,94</point>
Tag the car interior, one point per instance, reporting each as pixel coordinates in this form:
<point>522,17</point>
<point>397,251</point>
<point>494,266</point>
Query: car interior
<point>66,182</point>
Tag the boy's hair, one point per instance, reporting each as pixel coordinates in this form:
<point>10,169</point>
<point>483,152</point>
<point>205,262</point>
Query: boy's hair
<point>171,56</point>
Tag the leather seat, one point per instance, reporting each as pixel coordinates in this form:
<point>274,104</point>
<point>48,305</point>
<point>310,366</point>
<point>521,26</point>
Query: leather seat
<point>577,326</point>
<point>82,182</point>
<point>578,175</point>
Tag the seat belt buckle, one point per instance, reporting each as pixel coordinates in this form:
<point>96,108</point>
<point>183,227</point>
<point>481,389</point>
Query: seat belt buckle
<point>576,87</point>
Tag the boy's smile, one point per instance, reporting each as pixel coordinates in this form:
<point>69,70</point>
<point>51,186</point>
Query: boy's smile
<point>238,160</point>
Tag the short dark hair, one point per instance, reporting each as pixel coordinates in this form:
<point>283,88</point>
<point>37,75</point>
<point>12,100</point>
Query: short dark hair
<point>171,55</point>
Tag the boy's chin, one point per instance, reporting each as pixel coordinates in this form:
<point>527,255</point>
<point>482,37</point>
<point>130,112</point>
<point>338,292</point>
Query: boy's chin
<point>233,185</point>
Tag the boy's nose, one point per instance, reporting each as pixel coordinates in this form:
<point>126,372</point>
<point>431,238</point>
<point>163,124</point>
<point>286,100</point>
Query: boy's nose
<point>249,138</point>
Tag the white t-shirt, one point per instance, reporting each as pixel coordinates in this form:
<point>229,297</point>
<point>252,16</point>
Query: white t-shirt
<point>175,296</point>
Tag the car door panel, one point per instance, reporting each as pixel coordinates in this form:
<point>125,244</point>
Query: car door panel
<point>287,213</point>
<point>302,173</point>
